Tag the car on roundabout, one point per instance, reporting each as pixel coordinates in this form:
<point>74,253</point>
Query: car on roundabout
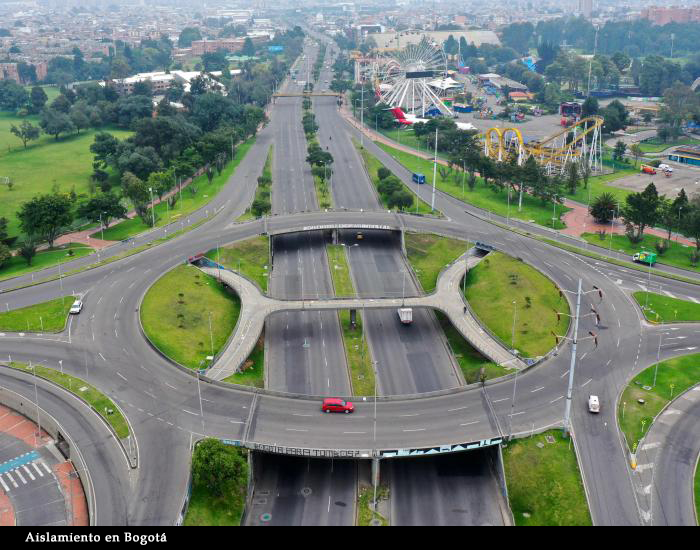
<point>335,404</point>
<point>76,307</point>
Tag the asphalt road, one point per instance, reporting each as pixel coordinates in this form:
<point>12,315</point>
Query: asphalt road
<point>161,402</point>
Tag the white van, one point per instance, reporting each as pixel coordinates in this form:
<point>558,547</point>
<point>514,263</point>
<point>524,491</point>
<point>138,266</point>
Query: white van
<point>593,404</point>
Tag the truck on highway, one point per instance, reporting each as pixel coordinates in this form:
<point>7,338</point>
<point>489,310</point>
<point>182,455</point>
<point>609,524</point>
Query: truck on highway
<point>418,178</point>
<point>645,257</point>
<point>405,315</point>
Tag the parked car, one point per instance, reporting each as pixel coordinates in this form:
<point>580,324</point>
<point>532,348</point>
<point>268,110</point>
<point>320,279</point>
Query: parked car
<point>335,404</point>
<point>593,404</point>
<point>76,307</point>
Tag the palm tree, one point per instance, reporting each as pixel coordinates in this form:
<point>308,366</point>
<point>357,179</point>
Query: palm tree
<point>602,207</point>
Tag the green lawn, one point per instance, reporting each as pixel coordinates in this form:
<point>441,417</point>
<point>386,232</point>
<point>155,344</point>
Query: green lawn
<point>92,395</point>
<point>365,509</point>
<point>481,196</point>
<point>655,145</point>
<point>470,360</point>
<point>664,309</point>
<point>544,482</point>
<point>372,164</point>
<point>677,255</point>
<point>45,317</point>
<point>496,282</point>
<point>17,265</point>
<point>356,348</point>
<point>251,256</point>
<point>252,371</point>
<point>66,163</point>
<point>429,254</point>
<point>176,310</point>
<point>602,184</point>
<point>194,196</point>
<point>207,509</point>
<point>635,418</point>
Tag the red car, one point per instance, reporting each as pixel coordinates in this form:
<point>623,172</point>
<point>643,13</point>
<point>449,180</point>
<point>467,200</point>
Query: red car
<point>335,404</point>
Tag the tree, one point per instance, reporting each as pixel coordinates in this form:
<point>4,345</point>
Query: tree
<point>12,95</point>
<point>400,199</point>
<point>219,468</point>
<point>102,208</point>
<point>691,222</point>
<point>79,116</point>
<point>248,47</point>
<point>572,177</point>
<point>187,36</point>
<point>55,123</point>
<point>38,99</point>
<point>603,207</point>
<point>383,172</point>
<point>640,211</point>
<point>61,103</point>
<point>589,107</point>
<point>28,250</point>
<point>45,215</point>
<point>680,104</point>
<point>619,151</point>
<point>636,151</point>
<point>5,254</point>
<point>26,132</point>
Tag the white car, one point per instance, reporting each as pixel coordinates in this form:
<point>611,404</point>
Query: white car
<point>593,404</point>
<point>666,168</point>
<point>76,307</point>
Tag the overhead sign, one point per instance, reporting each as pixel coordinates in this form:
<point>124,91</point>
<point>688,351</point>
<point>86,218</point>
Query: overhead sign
<point>441,449</point>
<point>233,442</point>
<point>346,226</point>
<point>312,453</point>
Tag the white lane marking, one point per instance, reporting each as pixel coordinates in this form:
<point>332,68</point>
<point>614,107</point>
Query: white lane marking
<point>48,471</point>
<point>236,422</point>
<point>457,409</point>
<point>295,430</point>
<point>586,382</point>
<point>651,446</point>
<point>537,389</point>
<point>38,471</point>
<point>299,414</point>
<point>120,301</point>
<point>516,414</point>
<point>693,300</point>
<point>21,477</point>
<point>103,357</point>
<point>565,373</point>
<point>29,473</point>
<point>642,467</point>
<point>415,430</point>
<point>470,423</point>
<point>149,394</point>
<point>190,412</point>
<point>354,432</point>
<point>499,400</point>
<point>670,295</point>
<point>415,414</point>
<point>170,386</point>
<point>557,399</point>
<point>120,375</point>
<point>2,482</point>
<point>12,479</point>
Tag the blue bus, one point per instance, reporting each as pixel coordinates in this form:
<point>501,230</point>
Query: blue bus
<point>418,178</point>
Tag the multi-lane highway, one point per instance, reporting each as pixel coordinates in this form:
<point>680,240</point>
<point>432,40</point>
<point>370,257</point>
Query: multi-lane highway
<point>106,347</point>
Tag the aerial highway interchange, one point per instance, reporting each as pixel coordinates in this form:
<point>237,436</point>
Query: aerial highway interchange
<point>423,401</point>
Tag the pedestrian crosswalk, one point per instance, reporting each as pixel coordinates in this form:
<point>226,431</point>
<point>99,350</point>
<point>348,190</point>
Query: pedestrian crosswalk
<point>22,470</point>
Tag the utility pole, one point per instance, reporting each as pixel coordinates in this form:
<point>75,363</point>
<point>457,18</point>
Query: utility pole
<point>569,391</point>
<point>432,200</point>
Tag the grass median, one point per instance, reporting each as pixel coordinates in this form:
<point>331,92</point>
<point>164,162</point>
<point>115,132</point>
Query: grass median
<point>251,257</point>
<point>664,309</point>
<point>356,348</point>
<point>195,196</point>
<point>17,265</point>
<point>677,255</point>
<point>253,370</point>
<point>372,164</point>
<point>188,315</point>
<point>99,401</point>
<point>673,377</point>
<point>366,516</point>
<point>544,482</point>
<point>48,316</point>
<point>482,196</point>
<point>261,199</point>
<point>499,280</point>
<point>429,254</point>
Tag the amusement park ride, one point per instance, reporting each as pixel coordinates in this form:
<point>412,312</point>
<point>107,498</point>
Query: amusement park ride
<point>411,83</point>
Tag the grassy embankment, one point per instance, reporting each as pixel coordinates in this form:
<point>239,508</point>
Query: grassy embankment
<point>176,313</point>
<point>356,349</point>
<point>194,196</point>
<point>544,481</point>
<point>48,316</point>
<point>262,191</point>
<point>365,511</point>
<point>428,254</point>
<point>658,308</point>
<point>92,395</point>
<point>17,265</point>
<point>673,377</point>
<point>496,282</point>
<point>655,145</point>
<point>677,255</point>
<point>372,164</point>
<point>481,196</point>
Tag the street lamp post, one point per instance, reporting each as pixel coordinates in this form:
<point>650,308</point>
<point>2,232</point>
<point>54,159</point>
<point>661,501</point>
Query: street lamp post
<point>432,200</point>
<point>153,208</point>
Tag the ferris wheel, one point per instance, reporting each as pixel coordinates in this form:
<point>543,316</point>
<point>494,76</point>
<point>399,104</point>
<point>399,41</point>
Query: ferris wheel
<point>407,78</point>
